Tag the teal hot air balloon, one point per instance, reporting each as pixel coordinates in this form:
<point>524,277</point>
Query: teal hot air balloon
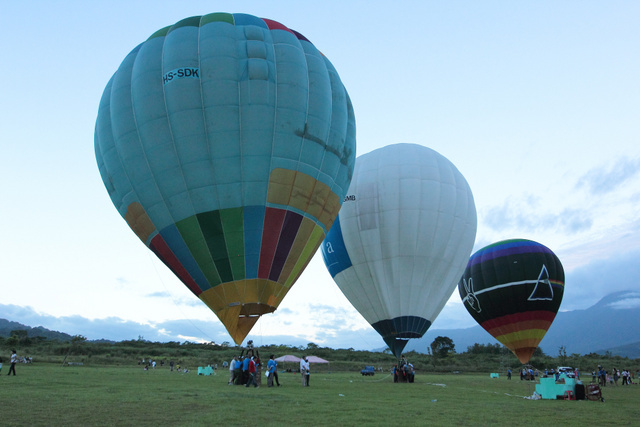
<point>402,239</point>
<point>513,289</point>
<point>227,143</point>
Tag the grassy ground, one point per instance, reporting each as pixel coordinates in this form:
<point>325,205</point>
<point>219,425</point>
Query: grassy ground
<point>82,395</point>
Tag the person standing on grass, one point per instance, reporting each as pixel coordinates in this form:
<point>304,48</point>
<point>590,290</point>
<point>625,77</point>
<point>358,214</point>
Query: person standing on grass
<point>304,371</point>
<point>272,367</point>
<point>602,376</point>
<point>256,377</point>
<point>245,369</point>
<point>14,360</point>
<point>252,373</point>
<point>232,368</point>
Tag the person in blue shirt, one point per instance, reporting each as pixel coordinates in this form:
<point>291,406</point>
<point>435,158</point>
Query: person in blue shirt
<point>245,370</point>
<point>602,375</point>
<point>272,367</point>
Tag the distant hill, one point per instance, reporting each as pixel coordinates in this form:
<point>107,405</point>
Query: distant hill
<point>632,351</point>
<point>612,324</point>
<point>6,326</point>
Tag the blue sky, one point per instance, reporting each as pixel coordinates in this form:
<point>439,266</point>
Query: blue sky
<point>536,103</point>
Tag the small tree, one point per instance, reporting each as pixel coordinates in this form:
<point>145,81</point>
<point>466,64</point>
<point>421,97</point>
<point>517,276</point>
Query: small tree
<point>432,357</point>
<point>77,342</point>
<point>78,339</point>
<point>562,355</point>
<point>442,346</point>
<point>12,341</point>
<point>20,334</point>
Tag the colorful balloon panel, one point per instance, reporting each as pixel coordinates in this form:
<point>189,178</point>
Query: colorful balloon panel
<point>513,289</point>
<point>402,239</point>
<point>227,143</point>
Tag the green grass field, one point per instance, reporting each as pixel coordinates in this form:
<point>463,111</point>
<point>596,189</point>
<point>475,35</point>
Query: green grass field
<point>43,394</point>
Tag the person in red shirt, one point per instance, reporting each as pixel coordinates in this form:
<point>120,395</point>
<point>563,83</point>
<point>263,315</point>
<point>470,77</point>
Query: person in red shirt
<point>252,374</point>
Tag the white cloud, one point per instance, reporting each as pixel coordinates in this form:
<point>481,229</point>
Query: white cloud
<point>625,304</point>
<point>606,179</point>
<point>600,276</point>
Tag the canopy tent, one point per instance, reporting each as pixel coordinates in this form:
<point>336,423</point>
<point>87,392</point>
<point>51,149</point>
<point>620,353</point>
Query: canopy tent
<point>288,358</point>
<point>316,359</point>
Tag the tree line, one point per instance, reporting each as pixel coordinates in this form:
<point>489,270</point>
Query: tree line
<point>441,355</point>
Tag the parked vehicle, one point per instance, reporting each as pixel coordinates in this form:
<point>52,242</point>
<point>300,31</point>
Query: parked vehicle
<point>567,370</point>
<point>368,370</point>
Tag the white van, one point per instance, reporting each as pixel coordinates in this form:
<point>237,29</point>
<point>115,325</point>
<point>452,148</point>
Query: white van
<point>567,370</point>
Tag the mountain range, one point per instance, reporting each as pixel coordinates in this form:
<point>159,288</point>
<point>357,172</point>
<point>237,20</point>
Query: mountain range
<point>611,325</point>
<point>6,326</point>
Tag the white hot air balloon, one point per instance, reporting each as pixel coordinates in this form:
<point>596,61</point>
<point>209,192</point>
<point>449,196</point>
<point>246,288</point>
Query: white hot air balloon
<point>402,239</point>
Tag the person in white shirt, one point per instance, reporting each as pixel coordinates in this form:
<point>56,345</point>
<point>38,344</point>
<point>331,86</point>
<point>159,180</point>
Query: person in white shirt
<point>14,360</point>
<point>232,367</point>
<point>304,371</point>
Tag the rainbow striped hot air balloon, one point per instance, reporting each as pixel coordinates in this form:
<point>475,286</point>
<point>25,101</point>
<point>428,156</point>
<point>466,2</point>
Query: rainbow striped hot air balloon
<point>513,289</point>
<point>227,143</point>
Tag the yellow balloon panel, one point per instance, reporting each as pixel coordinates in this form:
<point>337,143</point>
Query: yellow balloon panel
<point>239,304</point>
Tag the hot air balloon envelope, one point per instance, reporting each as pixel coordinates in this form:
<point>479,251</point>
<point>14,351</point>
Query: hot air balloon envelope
<point>402,239</point>
<point>227,143</point>
<point>513,289</point>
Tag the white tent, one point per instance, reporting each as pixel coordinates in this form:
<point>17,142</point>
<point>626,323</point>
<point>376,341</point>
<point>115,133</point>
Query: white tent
<point>316,359</point>
<point>288,358</point>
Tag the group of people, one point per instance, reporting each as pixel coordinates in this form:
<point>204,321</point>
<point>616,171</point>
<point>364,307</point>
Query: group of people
<point>151,364</point>
<point>526,374</point>
<point>605,377</point>
<point>246,370</point>
<point>403,372</point>
<point>625,375</point>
